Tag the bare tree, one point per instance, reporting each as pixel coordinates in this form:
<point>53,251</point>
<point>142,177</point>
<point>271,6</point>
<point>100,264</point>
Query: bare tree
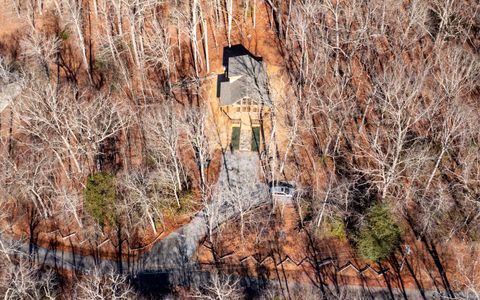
<point>144,194</point>
<point>72,129</point>
<point>100,119</point>
<point>334,199</point>
<point>468,265</point>
<point>196,130</point>
<point>203,22</point>
<point>292,125</point>
<point>452,19</point>
<point>43,115</point>
<point>74,15</point>
<point>213,214</point>
<point>61,142</point>
<point>20,278</point>
<point>193,35</point>
<point>163,129</point>
<point>392,149</point>
<point>452,125</point>
<point>219,287</point>
<point>241,198</point>
<point>229,10</point>
<point>160,50</point>
<point>98,285</point>
<point>72,203</point>
<point>456,73</point>
<point>40,49</point>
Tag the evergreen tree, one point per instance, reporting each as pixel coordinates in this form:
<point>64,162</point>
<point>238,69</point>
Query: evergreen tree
<point>100,194</point>
<point>379,236</point>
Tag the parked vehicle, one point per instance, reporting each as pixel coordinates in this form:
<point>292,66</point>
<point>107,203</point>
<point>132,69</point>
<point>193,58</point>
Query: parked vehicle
<point>282,189</point>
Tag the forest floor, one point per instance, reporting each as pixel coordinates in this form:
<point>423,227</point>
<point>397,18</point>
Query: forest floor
<point>11,22</point>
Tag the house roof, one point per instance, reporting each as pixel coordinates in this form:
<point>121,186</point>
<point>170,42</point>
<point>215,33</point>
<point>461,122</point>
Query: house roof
<point>246,77</point>
<point>7,93</point>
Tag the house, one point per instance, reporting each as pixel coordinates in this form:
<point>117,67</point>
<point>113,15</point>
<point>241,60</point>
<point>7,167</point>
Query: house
<point>244,97</point>
<point>8,92</point>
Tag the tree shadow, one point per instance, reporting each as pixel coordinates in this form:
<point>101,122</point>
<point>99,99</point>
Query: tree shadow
<point>434,255</point>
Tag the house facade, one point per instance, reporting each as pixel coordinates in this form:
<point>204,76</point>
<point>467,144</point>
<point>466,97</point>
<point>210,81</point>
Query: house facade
<point>245,100</point>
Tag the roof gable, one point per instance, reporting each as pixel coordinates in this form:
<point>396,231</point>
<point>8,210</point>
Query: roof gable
<point>8,93</point>
<point>246,77</point>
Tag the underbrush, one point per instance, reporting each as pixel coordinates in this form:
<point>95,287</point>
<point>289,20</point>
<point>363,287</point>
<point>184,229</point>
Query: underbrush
<point>333,227</point>
<point>186,199</point>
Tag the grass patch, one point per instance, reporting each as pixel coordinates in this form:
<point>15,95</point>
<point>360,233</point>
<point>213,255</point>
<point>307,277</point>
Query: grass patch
<point>474,234</point>
<point>100,65</point>
<point>64,34</point>
<point>323,159</point>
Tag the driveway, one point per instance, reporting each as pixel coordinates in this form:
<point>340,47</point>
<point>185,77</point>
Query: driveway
<point>239,176</point>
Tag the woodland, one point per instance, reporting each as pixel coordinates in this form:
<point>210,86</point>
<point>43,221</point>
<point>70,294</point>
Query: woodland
<point>109,131</point>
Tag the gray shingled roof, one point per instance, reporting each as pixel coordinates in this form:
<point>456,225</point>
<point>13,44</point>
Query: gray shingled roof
<point>252,81</point>
<point>7,93</point>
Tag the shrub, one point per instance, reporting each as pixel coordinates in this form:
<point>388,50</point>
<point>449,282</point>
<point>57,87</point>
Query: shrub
<point>64,34</point>
<point>186,199</point>
<point>335,227</point>
<point>100,195</point>
<point>100,65</point>
<point>379,236</point>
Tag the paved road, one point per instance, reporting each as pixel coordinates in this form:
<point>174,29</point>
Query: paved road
<point>60,259</point>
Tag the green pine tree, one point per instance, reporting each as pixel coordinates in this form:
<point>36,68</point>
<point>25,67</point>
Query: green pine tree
<point>379,236</point>
<point>100,195</point>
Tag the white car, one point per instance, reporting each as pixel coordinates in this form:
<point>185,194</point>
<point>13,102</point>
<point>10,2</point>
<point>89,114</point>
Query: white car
<point>282,189</point>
